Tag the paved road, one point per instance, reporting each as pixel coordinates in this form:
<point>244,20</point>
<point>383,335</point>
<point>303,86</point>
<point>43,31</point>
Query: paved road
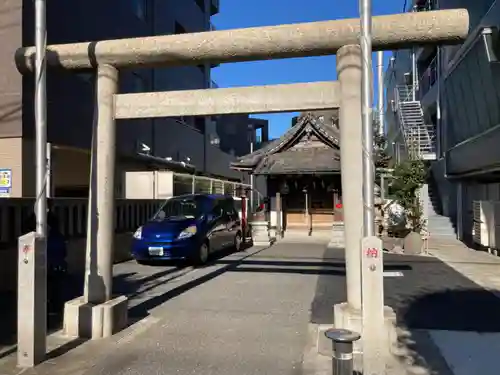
<point>248,313</point>
<point>236,316</point>
<point>430,295</point>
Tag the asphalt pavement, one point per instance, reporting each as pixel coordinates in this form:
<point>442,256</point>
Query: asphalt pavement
<point>246,313</point>
<point>249,312</point>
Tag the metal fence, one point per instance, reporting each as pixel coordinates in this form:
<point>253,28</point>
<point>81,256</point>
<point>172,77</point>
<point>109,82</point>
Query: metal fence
<point>191,184</point>
<point>129,213</point>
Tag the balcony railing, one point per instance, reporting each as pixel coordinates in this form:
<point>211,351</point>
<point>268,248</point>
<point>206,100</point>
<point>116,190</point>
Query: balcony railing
<point>429,77</point>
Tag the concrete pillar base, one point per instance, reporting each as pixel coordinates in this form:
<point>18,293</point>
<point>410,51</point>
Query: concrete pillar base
<point>91,321</point>
<point>348,318</point>
<point>260,233</point>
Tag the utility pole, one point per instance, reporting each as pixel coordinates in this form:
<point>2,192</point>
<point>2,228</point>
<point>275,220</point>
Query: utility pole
<point>41,117</point>
<point>252,138</point>
<point>380,91</point>
<point>366,112</point>
<point>372,281</point>
<point>32,247</point>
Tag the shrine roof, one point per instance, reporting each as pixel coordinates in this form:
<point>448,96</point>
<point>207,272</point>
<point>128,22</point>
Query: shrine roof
<point>310,146</point>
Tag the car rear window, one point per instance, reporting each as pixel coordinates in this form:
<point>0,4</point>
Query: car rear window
<point>237,205</point>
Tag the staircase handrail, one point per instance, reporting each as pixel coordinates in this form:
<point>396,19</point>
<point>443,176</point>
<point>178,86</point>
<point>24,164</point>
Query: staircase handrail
<point>417,140</point>
<point>405,93</point>
<point>400,118</point>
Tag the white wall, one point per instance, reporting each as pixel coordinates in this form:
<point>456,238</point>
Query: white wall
<point>149,184</point>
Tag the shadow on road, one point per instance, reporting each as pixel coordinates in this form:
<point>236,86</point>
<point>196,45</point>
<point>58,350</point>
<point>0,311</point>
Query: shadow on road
<point>300,267</point>
<point>8,315</point>
<point>125,283</point>
<point>141,310</point>
<point>430,296</point>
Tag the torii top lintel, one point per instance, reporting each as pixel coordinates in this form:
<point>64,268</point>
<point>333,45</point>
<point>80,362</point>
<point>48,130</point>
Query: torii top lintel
<point>260,43</point>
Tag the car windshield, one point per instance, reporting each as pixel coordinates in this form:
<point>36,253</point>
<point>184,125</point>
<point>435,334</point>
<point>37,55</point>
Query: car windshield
<point>183,207</point>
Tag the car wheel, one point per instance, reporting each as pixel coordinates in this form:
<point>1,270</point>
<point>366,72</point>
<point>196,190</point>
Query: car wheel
<point>237,242</point>
<point>202,256</point>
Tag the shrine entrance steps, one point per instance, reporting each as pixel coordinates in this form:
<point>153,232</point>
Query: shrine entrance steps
<point>295,233</point>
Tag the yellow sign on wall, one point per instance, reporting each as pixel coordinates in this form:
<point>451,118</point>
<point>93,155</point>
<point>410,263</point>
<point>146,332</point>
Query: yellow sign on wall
<point>5,178</point>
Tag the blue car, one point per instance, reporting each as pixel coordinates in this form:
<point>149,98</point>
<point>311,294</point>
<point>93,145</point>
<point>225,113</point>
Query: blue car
<point>189,228</point>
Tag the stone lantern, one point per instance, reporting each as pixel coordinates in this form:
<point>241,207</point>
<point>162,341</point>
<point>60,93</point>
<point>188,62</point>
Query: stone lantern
<point>260,228</point>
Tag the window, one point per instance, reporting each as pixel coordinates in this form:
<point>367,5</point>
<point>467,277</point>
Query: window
<point>230,209</point>
<point>218,209</point>
<point>201,4</point>
<point>225,208</point>
<point>189,207</point>
<point>140,7</point>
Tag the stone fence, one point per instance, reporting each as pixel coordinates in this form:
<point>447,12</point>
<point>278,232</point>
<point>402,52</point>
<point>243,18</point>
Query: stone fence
<point>72,216</point>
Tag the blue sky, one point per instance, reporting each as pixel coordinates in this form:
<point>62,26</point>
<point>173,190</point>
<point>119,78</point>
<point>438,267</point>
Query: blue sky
<point>240,13</point>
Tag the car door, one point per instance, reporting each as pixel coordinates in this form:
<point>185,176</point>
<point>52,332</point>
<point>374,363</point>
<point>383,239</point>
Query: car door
<point>217,232</point>
<point>233,222</point>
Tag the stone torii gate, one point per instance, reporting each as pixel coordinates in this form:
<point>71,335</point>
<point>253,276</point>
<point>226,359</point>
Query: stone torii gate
<point>98,313</point>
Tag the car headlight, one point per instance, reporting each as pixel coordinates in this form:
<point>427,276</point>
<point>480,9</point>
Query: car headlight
<point>138,234</point>
<point>188,232</point>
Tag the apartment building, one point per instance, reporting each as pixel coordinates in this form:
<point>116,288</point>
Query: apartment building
<point>158,143</point>
<point>443,105</point>
<point>240,134</point>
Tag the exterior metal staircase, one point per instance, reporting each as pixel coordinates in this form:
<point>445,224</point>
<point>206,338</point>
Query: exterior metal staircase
<point>419,137</point>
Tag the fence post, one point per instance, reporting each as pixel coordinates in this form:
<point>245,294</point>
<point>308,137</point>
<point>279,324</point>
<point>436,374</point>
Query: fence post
<point>32,300</point>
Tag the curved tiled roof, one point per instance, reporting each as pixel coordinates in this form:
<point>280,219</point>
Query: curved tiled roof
<point>325,130</point>
<point>302,160</point>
